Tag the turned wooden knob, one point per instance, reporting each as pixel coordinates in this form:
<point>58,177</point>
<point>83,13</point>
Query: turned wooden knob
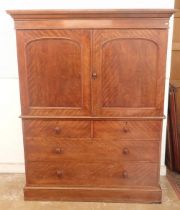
<point>94,75</point>
<point>58,150</point>
<point>125,174</point>
<point>57,130</point>
<point>125,151</point>
<point>125,128</point>
<point>59,173</point>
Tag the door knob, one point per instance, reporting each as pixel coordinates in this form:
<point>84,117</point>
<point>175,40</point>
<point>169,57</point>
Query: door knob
<point>94,75</point>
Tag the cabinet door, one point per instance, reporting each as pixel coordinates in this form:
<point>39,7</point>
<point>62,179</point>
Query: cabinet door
<point>54,70</point>
<point>129,72</point>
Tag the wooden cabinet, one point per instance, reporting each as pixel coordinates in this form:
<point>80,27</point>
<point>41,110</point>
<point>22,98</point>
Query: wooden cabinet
<point>92,93</point>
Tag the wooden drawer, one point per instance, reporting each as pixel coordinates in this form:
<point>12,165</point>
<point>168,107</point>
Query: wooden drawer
<point>145,130</point>
<point>57,128</point>
<point>107,174</point>
<point>53,149</point>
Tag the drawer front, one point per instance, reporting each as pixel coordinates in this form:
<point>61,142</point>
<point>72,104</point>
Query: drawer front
<point>57,128</point>
<point>107,174</point>
<point>54,149</point>
<point>145,130</point>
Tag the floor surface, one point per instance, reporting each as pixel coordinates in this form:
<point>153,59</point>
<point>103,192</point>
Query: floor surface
<point>11,198</point>
<point>174,179</point>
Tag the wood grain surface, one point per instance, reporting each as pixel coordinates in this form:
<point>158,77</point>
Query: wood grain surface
<point>91,150</point>
<point>95,174</point>
<point>57,128</point>
<point>128,129</point>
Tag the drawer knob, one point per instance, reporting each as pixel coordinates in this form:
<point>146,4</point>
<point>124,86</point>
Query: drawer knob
<point>125,128</point>
<point>57,130</point>
<point>125,174</point>
<point>59,173</point>
<point>58,150</point>
<point>125,151</point>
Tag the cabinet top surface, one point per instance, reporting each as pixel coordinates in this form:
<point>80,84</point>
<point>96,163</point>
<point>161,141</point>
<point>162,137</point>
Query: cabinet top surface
<point>113,13</point>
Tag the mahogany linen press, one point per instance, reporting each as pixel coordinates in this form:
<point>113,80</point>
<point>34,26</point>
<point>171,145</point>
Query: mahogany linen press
<point>92,93</point>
